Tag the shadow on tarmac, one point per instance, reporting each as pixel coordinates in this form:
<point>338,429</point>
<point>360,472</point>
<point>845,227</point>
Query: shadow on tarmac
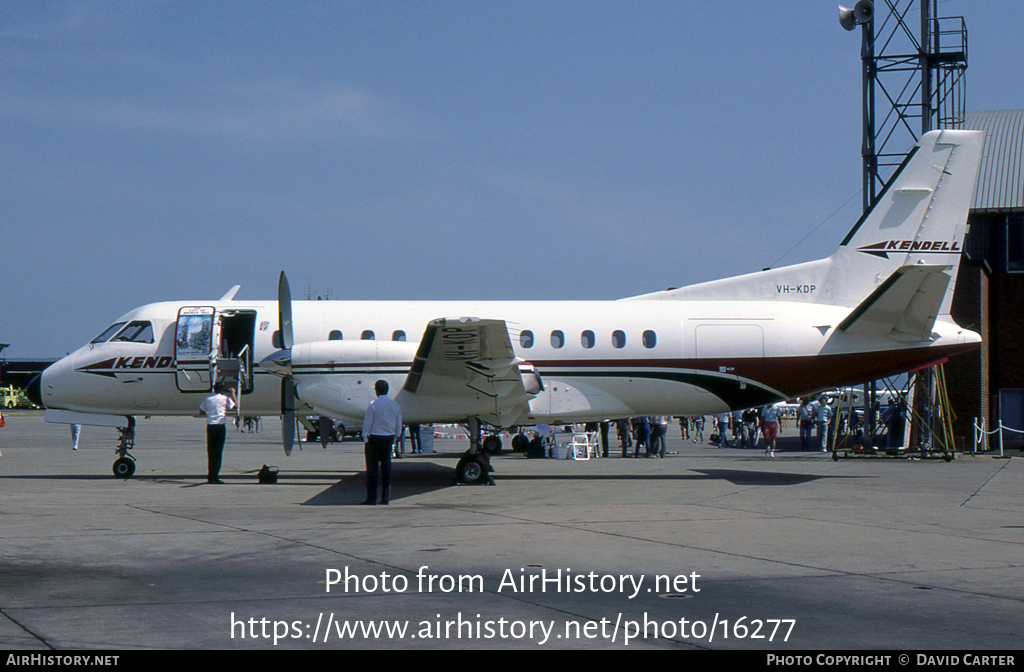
<point>734,476</point>
<point>416,479</point>
<point>407,479</point>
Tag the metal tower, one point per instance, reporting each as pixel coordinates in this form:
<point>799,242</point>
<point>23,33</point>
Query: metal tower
<point>912,80</point>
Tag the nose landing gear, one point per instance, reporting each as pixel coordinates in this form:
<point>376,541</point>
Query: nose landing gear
<point>124,465</point>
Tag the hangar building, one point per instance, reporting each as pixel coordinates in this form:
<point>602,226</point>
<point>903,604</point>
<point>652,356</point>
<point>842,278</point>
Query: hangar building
<point>989,382</point>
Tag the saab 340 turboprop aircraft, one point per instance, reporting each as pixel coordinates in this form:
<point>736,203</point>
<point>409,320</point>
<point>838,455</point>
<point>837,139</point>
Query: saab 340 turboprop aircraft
<point>876,307</point>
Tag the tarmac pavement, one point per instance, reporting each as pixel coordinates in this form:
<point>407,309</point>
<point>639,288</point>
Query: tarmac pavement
<point>794,553</point>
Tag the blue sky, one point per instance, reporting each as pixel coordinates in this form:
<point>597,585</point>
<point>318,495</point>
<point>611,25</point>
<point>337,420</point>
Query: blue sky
<point>425,149</point>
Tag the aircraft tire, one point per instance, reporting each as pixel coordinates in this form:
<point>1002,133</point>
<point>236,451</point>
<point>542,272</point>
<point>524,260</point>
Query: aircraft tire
<point>520,442</point>
<point>492,445</point>
<point>471,470</point>
<point>124,467</point>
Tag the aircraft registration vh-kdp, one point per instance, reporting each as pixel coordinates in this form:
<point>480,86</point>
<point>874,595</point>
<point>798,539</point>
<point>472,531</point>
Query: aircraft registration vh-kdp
<point>878,306</point>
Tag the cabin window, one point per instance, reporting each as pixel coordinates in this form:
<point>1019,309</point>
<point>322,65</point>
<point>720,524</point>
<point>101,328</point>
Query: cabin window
<point>335,335</point>
<point>588,339</point>
<point>650,339</point>
<point>526,338</point>
<point>398,336</point>
<point>618,339</point>
<point>557,339</point>
<point>368,336</point>
<point>108,332</point>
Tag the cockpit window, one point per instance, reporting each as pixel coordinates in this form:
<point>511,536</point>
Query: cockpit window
<point>136,332</point>
<point>108,332</point>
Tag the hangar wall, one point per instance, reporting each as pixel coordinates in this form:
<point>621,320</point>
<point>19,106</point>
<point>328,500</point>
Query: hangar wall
<point>989,297</point>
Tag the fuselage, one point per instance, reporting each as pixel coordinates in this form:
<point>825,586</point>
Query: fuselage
<point>597,359</point>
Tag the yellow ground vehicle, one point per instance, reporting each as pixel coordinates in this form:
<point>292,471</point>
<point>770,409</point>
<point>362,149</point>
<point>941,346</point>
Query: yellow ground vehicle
<point>13,397</point>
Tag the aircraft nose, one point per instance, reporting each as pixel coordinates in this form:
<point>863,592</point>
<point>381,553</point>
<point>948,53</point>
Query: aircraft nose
<point>34,391</point>
<point>278,363</point>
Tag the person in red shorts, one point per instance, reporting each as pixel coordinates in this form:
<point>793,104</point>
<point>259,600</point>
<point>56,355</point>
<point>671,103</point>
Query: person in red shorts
<point>770,427</point>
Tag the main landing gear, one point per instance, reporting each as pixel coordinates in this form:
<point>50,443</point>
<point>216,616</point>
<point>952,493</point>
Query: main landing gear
<point>124,465</point>
<point>474,467</point>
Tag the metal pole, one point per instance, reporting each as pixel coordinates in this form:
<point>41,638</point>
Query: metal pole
<point>867,151</point>
<point>926,67</point>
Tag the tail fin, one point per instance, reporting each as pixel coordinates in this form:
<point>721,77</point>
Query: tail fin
<point>919,219</point>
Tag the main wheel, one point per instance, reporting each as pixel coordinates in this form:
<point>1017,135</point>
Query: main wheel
<point>124,467</point>
<point>520,442</point>
<point>470,470</point>
<point>492,445</point>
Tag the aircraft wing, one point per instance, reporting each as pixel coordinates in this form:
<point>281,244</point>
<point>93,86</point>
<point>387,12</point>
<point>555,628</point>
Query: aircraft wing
<point>469,362</point>
<point>907,303</point>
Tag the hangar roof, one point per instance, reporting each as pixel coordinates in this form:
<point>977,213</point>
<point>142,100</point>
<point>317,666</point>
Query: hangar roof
<point>1001,179</point>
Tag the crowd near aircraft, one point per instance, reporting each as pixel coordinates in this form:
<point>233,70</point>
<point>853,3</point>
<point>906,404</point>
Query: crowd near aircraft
<point>878,306</point>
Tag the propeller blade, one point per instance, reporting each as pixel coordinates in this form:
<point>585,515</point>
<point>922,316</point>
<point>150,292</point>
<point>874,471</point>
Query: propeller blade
<point>284,315</point>
<point>287,414</point>
<point>284,311</point>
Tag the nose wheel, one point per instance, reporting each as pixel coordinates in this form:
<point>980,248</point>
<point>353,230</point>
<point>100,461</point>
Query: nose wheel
<point>124,465</point>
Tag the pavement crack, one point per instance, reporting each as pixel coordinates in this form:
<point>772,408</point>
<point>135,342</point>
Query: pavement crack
<point>21,625</point>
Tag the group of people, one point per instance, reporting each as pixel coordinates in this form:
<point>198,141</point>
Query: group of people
<point>814,417</point>
<point>646,432</point>
<point>746,429</point>
<point>383,433</point>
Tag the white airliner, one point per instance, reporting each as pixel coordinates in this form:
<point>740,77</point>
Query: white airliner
<point>876,307</point>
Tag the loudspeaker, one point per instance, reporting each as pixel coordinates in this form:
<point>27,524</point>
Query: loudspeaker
<point>863,12</point>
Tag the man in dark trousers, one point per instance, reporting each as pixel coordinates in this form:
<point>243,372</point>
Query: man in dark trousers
<point>215,407</point>
<point>381,425</point>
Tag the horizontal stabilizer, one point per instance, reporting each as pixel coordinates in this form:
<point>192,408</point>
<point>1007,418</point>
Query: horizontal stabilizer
<point>907,304</point>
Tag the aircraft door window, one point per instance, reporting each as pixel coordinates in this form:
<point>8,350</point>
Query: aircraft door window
<point>108,332</point>
<point>398,336</point>
<point>194,336</point>
<point>588,339</point>
<point>136,332</point>
<point>650,339</point>
<point>335,336</point>
<point>618,339</point>
<point>368,336</point>
<point>526,338</point>
<point>557,339</point>
<point>193,341</point>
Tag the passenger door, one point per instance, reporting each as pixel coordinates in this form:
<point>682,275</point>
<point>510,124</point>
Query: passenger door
<point>193,349</point>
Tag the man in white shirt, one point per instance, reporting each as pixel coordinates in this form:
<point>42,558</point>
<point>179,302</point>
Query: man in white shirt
<point>823,420</point>
<point>215,407</point>
<point>381,425</point>
<point>659,430</point>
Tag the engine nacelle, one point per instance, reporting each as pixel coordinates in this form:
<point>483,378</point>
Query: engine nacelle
<point>338,376</point>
